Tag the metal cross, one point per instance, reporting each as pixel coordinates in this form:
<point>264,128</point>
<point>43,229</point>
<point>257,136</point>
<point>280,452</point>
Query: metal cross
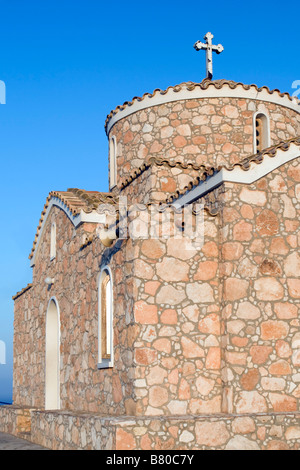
<point>209,49</point>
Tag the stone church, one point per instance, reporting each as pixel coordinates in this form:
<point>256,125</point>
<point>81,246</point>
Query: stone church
<point>134,339</point>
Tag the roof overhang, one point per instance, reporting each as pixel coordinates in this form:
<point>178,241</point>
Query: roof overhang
<point>81,217</point>
<point>187,91</point>
<point>239,175</point>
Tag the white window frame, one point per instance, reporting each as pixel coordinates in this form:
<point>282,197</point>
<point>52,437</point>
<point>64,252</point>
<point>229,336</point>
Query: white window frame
<point>53,241</point>
<point>112,162</point>
<point>105,363</point>
<point>51,336</point>
<point>266,130</point>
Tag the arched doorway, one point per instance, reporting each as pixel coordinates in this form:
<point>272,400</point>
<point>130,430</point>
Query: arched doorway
<point>52,395</point>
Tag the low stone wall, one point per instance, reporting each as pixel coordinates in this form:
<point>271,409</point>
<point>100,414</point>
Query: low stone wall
<point>15,420</point>
<point>66,430</point>
<point>227,432</point>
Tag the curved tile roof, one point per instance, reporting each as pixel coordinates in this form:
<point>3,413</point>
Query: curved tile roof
<point>259,157</point>
<point>21,292</point>
<point>204,170</point>
<point>244,164</point>
<point>204,85</point>
<point>76,200</point>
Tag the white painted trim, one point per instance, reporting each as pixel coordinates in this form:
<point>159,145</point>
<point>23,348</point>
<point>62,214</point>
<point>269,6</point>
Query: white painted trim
<point>198,93</point>
<point>105,363</point>
<point>238,175</point>
<point>53,299</point>
<point>93,217</point>
<point>53,241</point>
<point>112,162</point>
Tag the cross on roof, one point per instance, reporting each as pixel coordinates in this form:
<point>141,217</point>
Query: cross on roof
<point>209,47</point>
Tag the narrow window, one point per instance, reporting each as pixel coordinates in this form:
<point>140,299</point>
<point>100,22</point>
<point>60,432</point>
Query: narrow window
<point>53,242</point>
<point>262,135</point>
<point>105,320</point>
<point>112,162</point>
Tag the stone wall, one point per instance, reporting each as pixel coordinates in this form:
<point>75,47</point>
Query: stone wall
<point>227,432</point>
<point>67,430</point>
<point>79,431</point>
<point>218,326</point>
<point>177,352</point>
<point>259,273</point>
<point>15,420</point>
<point>204,330</point>
<point>76,271</point>
<point>72,431</point>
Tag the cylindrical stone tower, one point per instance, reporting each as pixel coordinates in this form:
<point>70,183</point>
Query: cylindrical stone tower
<point>209,123</point>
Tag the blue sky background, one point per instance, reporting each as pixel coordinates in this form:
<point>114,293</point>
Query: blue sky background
<point>67,63</point>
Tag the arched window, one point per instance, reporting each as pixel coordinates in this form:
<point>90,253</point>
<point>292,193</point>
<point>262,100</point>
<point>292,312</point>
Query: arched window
<point>105,350</point>
<point>262,132</point>
<point>112,162</point>
<point>53,241</point>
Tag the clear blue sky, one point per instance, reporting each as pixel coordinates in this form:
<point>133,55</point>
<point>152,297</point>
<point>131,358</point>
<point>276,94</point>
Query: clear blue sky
<point>67,63</point>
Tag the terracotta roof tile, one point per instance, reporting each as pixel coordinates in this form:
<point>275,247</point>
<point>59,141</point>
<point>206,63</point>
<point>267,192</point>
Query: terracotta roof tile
<point>88,201</point>
<point>190,86</point>
<point>75,200</point>
<point>21,292</point>
<point>259,157</point>
<point>244,164</point>
<point>204,170</point>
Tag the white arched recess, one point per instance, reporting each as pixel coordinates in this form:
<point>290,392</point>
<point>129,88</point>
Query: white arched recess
<point>105,338</point>
<point>265,130</point>
<point>52,382</point>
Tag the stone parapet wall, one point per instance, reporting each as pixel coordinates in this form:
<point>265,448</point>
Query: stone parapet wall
<point>222,432</point>
<point>64,430</point>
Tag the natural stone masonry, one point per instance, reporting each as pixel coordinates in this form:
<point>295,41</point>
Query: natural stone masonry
<point>15,420</point>
<point>205,335</point>
<point>209,131</point>
<point>260,298</point>
<point>83,386</point>
<point>269,432</point>
<point>73,431</point>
